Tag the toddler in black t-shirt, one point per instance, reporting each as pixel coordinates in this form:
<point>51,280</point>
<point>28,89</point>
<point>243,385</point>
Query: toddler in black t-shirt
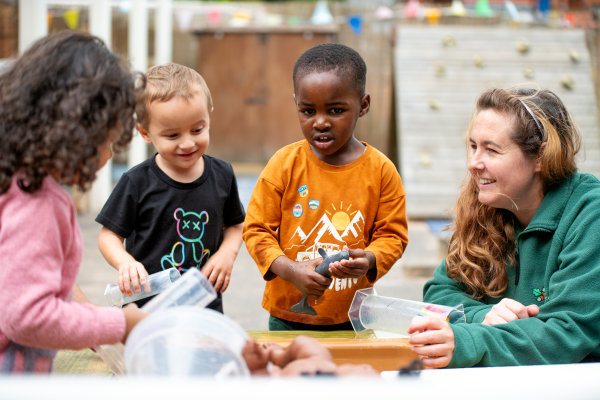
<point>181,207</point>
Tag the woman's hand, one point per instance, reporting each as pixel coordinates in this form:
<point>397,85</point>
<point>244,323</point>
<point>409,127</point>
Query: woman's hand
<point>509,310</point>
<point>433,340</point>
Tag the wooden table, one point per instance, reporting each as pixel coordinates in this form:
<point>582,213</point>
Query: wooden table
<point>347,348</point>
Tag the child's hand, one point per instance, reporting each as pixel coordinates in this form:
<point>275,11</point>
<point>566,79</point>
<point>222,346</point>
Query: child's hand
<point>133,315</point>
<point>508,310</point>
<point>433,340</point>
<point>358,265</point>
<point>218,270</point>
<point>307,280</point>
<point>132,273</point>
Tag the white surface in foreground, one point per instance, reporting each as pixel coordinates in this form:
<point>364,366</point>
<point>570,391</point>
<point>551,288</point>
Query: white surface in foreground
<point>571,381</point>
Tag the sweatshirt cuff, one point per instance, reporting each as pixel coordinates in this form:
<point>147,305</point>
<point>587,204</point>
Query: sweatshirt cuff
<point>265,269</point>
<point>465,348</point>
<point>114,325</point>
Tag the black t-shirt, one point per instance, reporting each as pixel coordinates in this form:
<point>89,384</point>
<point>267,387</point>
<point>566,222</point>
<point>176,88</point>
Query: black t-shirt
<point>167,223</point>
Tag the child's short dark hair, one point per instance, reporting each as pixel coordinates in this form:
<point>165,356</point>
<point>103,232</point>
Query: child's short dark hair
<point>332,56</point>
<point>58,102</point>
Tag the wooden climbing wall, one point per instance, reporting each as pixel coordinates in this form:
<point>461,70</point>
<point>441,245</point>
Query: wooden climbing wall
<point>439,73</point>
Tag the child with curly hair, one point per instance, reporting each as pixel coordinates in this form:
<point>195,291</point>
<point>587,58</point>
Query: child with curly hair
<point>63,104</point>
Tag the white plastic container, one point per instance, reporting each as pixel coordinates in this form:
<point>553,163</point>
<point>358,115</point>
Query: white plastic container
<point>112,355</point>
<point>157,282</point>
<point>391,317</point>
<point>186,341</point>
<point>193,289</point>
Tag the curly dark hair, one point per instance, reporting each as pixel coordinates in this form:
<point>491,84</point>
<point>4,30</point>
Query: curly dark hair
<point>325,57</point>
<point>58,103</point>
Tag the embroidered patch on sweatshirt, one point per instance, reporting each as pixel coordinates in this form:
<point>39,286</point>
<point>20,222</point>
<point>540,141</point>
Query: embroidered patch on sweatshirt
<point>540,294</point>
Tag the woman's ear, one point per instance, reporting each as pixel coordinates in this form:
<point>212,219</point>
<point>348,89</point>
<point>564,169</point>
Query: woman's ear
<point>538,159</point>
<point>365,104</point>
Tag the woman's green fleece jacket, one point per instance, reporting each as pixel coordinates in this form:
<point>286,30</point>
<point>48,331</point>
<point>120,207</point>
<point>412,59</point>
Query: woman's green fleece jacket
<point>559,257</point>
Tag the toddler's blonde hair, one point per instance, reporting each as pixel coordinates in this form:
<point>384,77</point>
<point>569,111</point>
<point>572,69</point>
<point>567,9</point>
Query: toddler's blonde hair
<point>163,82</point>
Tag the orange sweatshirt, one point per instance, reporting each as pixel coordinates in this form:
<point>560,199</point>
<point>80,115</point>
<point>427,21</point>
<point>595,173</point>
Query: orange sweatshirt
<point>301,203</point>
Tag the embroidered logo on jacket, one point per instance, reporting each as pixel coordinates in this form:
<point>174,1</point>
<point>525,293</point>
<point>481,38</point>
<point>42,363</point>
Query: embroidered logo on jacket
<point>297,210</point>
<point>303,190</point>
<point>540,294</point>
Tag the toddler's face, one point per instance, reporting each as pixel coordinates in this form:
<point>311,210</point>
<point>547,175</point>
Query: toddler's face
<point>179,130</point>
<point>328,107</point>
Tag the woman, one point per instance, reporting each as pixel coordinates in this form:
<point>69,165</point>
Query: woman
<point>524,259</point>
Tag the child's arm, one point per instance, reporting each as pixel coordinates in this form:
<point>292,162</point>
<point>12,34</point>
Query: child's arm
<point>131,272</point>
<point>218,267</point>
<point>261,235</point>
<point>132,313</point>
<point>38,312</point>
<point>79,296</point>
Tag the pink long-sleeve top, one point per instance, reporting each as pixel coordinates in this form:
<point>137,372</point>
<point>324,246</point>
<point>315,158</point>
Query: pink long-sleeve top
<point>40,253</point>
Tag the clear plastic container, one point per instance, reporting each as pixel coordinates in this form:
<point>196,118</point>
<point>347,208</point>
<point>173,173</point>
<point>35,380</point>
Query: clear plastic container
<point>388,316</point>
<point>112,355</point>
<point>186,341</point>
<point>157,283</point>
<point>193,289</point>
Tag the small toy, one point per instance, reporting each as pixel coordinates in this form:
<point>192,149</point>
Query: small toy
<point>432,310</point>
<point>323,269</point>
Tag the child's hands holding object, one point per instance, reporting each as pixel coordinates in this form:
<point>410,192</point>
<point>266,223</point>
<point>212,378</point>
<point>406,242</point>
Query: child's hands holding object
<point>302,275</point>
<point>358,265</point>
<point>307,280</point>
<point>132,273</point>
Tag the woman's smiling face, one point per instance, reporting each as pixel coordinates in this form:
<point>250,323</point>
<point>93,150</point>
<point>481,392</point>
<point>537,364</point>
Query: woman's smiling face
<point>506,177</point>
